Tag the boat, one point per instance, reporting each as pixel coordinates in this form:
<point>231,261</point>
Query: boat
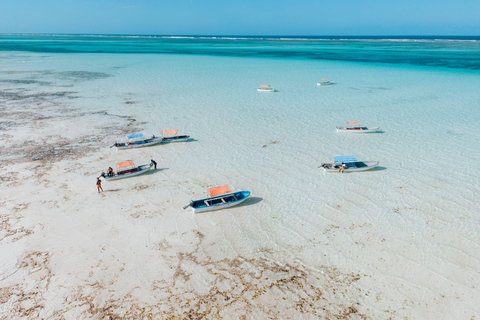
<point>357,129</point>
<point>266,88</point>
<point>127,169</point>
<point>137,141</point>
<point>349,163</point>
<point>220,198</point>
<point>325,82</point>
<point>171,136</point>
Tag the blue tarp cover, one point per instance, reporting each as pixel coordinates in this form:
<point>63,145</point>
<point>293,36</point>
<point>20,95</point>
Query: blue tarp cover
<point>345,158</point>
<point>134,136</point>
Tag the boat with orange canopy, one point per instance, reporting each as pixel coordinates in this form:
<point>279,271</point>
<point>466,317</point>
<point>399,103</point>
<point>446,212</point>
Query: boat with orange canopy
<point>220,198</point>
<point>325,82</point>
<point>357,129</point>
<point>171,136</point>
<point>266,88</point>
<point>127,169</point>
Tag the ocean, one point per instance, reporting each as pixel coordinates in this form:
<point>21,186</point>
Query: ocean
<point>400,241</point>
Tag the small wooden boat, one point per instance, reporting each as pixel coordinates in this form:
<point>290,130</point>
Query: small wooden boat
<point>137,141</point>
<point>325,83</point>
<point>126,170</point>
<point>171,136</point>
<point>357,129</point>
<point>220,198</point>
<point>349,164</point>
<point>266,88</point>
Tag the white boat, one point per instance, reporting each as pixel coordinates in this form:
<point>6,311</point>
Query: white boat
<point>348,164</point>
<point>357,129</point>
<point>266,88</point>
<point>220,198</point>
<point>137,141</point>
<point>171,136</point>
<point>127,169</point>
<point>325,83</point>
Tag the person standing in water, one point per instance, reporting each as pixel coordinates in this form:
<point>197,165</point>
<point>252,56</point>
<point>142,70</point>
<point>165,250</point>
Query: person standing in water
<point>99,185</point>
<point>154,163</point>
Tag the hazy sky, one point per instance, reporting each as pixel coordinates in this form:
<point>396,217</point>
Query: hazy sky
<point>247,17</point>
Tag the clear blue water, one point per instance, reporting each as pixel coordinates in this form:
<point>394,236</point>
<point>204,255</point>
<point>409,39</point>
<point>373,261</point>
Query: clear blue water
<point>453,52</point>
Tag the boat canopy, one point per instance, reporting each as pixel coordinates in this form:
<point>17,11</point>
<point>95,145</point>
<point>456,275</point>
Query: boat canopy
<point>170,132</point>
<point>325,79</point>
<point>345,159</point>
<point>125,164</point>
<point>135,136</point>
<point>352,121</point>
<point>218,191</point>
<point>265,85</point>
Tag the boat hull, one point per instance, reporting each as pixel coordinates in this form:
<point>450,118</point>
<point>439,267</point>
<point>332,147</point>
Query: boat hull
<point>351,166</point>
<point>138,144</point>
<point>266,90</point>
<point>358,129</point>
<point>241,197</point>
<point>175,139</point>
<point>141,170</point>
<point>326,83</point>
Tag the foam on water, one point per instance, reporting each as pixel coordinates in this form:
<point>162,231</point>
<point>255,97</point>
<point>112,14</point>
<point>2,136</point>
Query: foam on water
<point>402,238</point>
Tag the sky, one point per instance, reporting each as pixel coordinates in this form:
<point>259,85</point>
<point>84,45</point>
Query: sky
<point>242,17</point>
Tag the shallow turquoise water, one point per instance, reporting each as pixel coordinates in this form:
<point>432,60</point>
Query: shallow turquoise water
<point>422,93</point>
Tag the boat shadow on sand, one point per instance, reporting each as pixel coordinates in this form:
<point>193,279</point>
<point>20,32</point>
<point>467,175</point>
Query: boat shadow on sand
<point>153,171</point>
<point>250,201</point>
<point>174,142</point>
<point>377,169</point>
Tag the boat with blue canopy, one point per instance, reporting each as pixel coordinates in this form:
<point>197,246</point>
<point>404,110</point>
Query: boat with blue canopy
<point>357,129</point>
<point>137,140</point>
<point>220,198</point>
<point>348,164</point>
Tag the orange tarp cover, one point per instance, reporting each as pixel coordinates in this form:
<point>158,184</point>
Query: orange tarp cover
<point>265,85</point>
<point>170,131</point>
<point>325,79</point>
<point>218,191</point>
<point>353,121</point>
<point>125,164</point>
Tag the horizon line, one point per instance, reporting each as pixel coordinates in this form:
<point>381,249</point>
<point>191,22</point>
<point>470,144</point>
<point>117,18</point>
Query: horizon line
<point>230,35</point>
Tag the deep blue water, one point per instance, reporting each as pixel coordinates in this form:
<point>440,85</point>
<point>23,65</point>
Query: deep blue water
<point>450,52</point>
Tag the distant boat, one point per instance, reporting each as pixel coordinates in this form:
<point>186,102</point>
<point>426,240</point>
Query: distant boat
<point>137,141</point>
<point>171,136</point>
<point>220,198</point>
<point>357,129</point>
<point>127,169</point>
<point>325,82</point>
<point>349,163</point>
<point>266,88</point>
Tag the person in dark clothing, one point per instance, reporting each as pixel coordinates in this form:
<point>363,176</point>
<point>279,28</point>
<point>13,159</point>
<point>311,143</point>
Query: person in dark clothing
<point>99,185</point>
<point>154,163</point>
